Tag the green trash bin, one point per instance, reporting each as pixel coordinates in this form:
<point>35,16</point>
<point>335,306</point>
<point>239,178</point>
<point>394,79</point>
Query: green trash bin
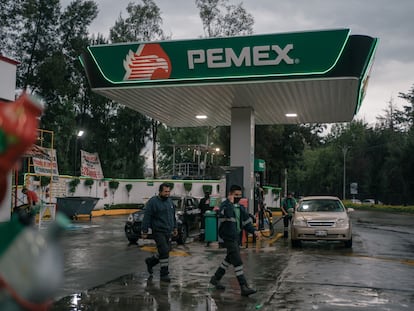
<point>210,219</point>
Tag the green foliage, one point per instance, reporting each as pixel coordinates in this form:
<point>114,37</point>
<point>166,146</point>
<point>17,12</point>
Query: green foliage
<point>44,181</point>
<point>73,184</point>
<point>88,182</point>
<point>188,186</point>
<point>113,185</point>
<point>380,207</point>
<point>143,23</point>
<point>128,187</point>
<point>221,19</point>
<point>47,42</point>
<point>207,188</point>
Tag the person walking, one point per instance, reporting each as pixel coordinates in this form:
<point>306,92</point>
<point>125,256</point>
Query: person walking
<point>234,218</point>
<point>287,208</point>
<point>32,197</point>
<point>159,216</point>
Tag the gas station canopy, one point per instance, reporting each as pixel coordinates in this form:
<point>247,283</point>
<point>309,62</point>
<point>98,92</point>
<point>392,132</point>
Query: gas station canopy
<point>315,76</point>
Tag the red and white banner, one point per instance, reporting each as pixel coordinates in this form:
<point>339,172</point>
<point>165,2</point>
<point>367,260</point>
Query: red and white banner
<point>46,165</point>
<point>90,165</point>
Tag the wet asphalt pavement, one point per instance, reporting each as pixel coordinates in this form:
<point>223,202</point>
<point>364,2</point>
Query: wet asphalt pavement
<point>103,272</point>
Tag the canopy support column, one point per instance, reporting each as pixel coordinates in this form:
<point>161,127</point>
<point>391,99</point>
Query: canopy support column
<point>242,147</point>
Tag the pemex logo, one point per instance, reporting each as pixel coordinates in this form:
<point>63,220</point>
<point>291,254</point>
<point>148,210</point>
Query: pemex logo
<point>149,62</point>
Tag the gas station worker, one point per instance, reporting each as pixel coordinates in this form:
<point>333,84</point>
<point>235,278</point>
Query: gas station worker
<point>32,198</point>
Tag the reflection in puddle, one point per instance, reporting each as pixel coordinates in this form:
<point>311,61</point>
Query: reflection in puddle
<point>366,298</point>
<point>135,292</point>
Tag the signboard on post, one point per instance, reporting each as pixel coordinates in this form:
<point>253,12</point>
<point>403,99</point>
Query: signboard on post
<point>46,165</point>
<point>224,58</point>
<point>354,188</point>
<point>90,165</point>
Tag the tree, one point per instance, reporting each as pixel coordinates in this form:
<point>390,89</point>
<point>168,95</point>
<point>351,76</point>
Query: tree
<point>47,43</point>
<point>223,20</point>
<point>37,32</point>
<point>142,24</point>
<point>407,115</point>
<point>9,29</point>
<point>219,19</point>
<point>62,83</point>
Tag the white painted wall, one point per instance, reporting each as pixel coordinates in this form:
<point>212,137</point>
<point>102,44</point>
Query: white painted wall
<point>142,190</point>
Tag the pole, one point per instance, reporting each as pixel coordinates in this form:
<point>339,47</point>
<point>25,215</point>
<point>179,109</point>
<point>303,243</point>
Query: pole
<point>198,160</point>
<point>344,151</point>
<point>74,156</point>
<point>173,160</point>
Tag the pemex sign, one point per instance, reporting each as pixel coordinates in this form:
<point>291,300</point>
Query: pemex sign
<point>215,59</point>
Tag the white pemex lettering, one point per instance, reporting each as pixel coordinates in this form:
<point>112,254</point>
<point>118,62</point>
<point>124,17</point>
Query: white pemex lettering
<point>283,54</point>
<point>244,56</point>
<point>215,58</point>
<point>262,55</point>
<point>195,57</point>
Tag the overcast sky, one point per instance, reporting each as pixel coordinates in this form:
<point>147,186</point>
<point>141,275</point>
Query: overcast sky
<point>390,21</point>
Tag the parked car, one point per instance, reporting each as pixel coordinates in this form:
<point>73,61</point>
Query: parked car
<point>321,218</point>
<point>371,201</point>
<point>187,215</point>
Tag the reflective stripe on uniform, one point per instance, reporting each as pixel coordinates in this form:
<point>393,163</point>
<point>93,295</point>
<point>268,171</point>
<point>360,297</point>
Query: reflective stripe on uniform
<point>164,262</point>
<point>224,265</point>
<point>232,219</point>
<point>238,270</point>
<point>249,220</point>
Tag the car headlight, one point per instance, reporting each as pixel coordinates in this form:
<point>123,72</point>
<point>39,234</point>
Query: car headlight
<point>130,218</point>
<point>300,222</point>
<point>342,223</point>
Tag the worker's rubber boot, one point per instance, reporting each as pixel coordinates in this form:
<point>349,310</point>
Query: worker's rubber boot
<point>286,233</point>
<point>216,282</point>
<point>151,262</point>
<point>245,290</point>
<point>164,275</point>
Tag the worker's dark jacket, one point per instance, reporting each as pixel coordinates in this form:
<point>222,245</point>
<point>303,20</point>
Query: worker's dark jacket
<point>228,223</point>
<point>159,216</point>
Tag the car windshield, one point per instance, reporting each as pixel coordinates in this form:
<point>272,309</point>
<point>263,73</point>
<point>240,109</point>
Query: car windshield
<point>321,206</point>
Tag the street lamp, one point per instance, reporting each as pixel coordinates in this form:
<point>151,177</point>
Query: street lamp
<point>78,135</point>
<point>344,151</point>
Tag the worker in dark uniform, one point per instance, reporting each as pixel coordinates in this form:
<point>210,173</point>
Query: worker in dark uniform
<point>288,207</point>
<point>159,216</point>
<point>234,218</point>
